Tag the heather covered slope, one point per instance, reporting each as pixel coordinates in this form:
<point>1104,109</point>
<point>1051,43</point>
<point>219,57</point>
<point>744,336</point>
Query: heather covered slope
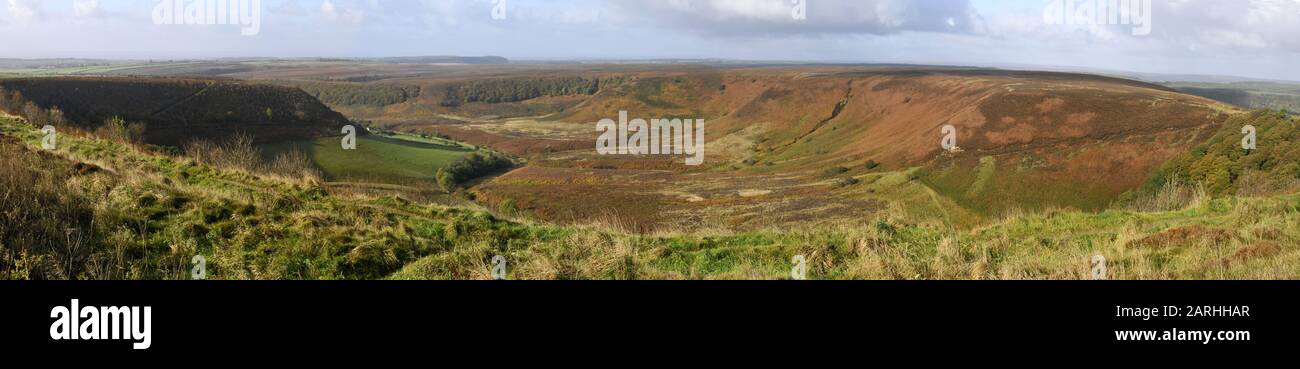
<point>177,110</point>
<point>1028,140</point>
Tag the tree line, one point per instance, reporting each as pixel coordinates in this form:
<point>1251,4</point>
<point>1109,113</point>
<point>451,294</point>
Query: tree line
<point>13,103</point>
<point>514,90</point>
<point>351,94</point>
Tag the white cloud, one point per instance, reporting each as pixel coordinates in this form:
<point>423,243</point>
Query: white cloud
<point>24,11</point>
<point>331,12</point>
<point>290,8</point>
<point>84,8</point>
<point>775,17</point>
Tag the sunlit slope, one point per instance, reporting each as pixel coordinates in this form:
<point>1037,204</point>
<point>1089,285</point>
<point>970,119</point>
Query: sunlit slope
<point>1026,139</point>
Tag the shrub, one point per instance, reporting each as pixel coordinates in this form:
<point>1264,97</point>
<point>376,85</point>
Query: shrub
<point>293,164</point>
<point>835,171</point>
<point>117,129</point>
<point>236,152</point>
<point>508,207</point>
<point>473,166</point>
<point>446,180</point>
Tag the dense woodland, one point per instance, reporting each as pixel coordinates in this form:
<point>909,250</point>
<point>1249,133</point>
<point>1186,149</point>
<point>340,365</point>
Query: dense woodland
<point>513,90</point>
<point>1224,168</point>
<point>354,94</point>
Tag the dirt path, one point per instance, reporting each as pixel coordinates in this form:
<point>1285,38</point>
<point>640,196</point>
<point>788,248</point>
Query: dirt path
<point>181,101</point>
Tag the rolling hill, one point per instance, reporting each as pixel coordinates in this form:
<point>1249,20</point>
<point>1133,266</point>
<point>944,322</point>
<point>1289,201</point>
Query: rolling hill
<point>176,110</point>
<point>1028,140</point>
<point>840,164</point>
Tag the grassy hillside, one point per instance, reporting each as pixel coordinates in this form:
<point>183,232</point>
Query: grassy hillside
<point>95,209</point>
<point>176,110</point>
<point>394,159</point>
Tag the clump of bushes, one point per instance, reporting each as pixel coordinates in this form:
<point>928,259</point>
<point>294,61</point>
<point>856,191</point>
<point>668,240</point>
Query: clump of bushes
<point>474,165</point>
<point>1222,167</point>
<point>834,171</point>
<point>13,103</point>
<point>117,129</point>
<point>238,152</point>
<point>872,165</point>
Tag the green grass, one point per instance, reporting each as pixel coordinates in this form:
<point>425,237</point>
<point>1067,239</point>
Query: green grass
<point>393,159</point>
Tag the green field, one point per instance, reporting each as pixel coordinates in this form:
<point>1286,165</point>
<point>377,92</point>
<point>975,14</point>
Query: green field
<point>392,159</point>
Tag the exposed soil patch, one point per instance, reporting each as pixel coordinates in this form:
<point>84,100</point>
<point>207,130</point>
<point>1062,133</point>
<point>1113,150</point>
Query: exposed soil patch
<point>1185,236</point>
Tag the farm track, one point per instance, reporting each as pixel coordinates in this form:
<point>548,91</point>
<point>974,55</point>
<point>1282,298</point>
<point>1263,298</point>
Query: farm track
<point>181,101</point>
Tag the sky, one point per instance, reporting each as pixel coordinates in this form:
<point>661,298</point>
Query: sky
<point>1249,38</point>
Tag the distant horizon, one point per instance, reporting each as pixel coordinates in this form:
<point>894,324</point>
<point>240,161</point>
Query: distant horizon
<point>1221,78</point>
<point>1253,39</point>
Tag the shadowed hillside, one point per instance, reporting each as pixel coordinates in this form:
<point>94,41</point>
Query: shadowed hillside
<point>176,111</point>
